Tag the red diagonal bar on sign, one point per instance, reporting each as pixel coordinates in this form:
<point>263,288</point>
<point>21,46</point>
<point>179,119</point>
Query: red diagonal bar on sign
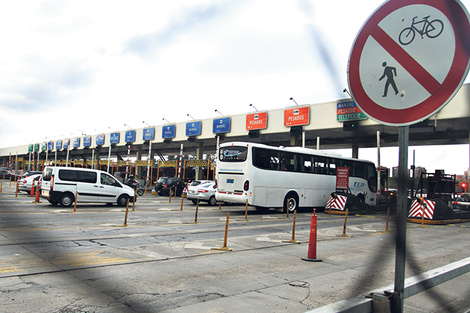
<point>409,63</point>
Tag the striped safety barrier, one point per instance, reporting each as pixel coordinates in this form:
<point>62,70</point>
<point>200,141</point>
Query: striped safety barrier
<point>337,202</point>
<point>420,206</point>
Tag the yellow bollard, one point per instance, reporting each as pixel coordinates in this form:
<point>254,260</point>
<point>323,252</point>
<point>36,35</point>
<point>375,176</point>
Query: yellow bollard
<point>1,186</point>
<point>133,202</point>
<point>220,205</point>
<point>388,215</point>
<point>127,211</point>
<point>293,230</point>
<point>197,209</point>
<point>17,186</point>
<point>345,222</point>
<point>246,210</point>
<point>224,248</point>
<point>75,203</point>
<point>182,200</point>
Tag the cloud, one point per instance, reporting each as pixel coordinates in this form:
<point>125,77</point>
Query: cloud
<point>44,84</point>
<point>189,20</point>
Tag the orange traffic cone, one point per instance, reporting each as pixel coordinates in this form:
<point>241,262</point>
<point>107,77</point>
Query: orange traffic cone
<point>31,193</point>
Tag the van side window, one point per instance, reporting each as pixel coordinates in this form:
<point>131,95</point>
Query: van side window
<point>108,180</point>
<point>77,176</point>
<point>87,177</point>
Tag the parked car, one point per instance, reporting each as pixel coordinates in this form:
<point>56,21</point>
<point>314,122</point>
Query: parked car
<point>26,183</point>
<point>195,183</point>
<point>5,173</point>
<point>203,192</point>
<point>165,185</point>
<point>29,173</point>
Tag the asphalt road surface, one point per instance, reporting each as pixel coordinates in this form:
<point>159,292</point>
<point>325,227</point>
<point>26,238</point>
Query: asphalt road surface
<point>53,259</point>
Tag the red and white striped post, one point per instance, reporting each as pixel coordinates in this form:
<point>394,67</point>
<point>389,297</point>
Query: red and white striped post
<point>180,161</point>
<point>312,243</point>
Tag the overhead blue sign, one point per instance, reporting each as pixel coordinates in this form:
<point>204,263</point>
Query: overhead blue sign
<point>100,140</point>
<point>149,134</point>
<point>76,143</point>
<point>168,131</point>
<point>130,136</point>
<point>221,125</point>
<point>114,138</point>
<point>193,128</point>
<point>66,143</point>
<point>87,141</point>
<point>50,145</point>
<point>58,144</point>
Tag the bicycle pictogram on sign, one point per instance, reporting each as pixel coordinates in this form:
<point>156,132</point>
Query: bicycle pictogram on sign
<point>432,29</point>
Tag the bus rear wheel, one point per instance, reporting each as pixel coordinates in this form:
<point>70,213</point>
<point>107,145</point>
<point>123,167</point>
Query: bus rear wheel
<point>291,202</point>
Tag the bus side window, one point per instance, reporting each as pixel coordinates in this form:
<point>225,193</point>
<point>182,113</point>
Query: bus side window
<point>360,170</point>
<point>306,164</point>
<point>288,162</point>
<point>320,165</point>
<point>274,162</point>
<point>332,167</point>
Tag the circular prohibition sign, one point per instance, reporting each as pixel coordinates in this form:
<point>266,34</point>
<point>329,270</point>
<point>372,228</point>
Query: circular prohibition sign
<point>409,59</point>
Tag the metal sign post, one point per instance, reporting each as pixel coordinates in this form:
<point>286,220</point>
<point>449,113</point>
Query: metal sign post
<point>402,212</point>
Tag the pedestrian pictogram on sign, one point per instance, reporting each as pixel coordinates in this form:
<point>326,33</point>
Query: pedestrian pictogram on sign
<point>409,60</point>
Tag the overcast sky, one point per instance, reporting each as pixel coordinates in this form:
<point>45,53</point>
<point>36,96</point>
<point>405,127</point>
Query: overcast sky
<point>74,67</point>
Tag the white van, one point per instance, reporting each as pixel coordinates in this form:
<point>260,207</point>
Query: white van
<point>60,184</point>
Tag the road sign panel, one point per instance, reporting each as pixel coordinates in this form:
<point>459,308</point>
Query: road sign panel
<point>130,136</point>
<point>148,133</point>
<point>348,111</point>
<point>193,128</point>
<point>297,116</point>
<point>221,125</point>
<point>99,140</point>
<point>257,121</point>
<point>409,59</point>
<point>114,138</point>
<point>168,131</point>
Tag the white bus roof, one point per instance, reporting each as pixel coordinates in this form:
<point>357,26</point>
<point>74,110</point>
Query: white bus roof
<point>291,149</point>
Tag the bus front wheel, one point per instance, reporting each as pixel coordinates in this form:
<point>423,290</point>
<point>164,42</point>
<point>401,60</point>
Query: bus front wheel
<point>291,202</point>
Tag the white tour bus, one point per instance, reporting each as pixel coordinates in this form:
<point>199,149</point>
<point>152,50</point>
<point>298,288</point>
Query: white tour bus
<point>287,177</point>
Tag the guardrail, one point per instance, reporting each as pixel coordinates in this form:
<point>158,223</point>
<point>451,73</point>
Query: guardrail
<point>413,286</point>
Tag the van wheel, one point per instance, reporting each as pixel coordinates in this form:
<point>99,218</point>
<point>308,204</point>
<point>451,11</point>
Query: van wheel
<point>122,200</point>
<point>67,199</point>
<point>291,202</point>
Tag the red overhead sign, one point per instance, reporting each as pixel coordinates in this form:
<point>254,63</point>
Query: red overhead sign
<point>297,116</point>
<point>409,60</point>
<point>257,121</point>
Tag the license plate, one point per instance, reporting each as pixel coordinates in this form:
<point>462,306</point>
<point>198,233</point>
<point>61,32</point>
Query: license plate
<point>45,193</point>
<point>230,181</point>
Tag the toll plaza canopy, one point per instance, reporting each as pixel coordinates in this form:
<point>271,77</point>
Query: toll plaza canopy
<point>337,124</point>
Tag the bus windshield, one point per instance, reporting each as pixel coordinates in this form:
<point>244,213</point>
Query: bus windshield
<point>233,154</point>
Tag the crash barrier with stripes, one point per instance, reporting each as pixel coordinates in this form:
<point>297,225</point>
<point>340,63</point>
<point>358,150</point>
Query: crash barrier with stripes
<point>340,201</point>
<point>436,211</point>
